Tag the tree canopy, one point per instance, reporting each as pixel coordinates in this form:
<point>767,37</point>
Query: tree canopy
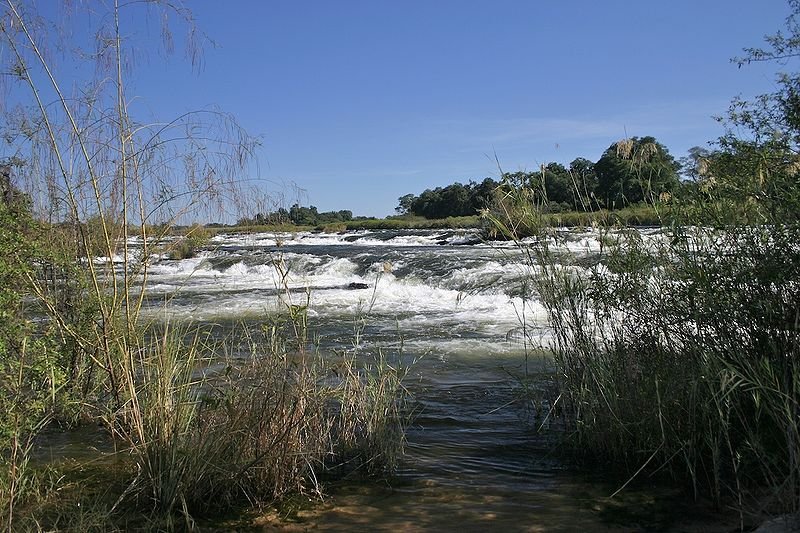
<point>297,214</point>
<point>452,201</point>
<point>628,172</point>
<point>635,170</point>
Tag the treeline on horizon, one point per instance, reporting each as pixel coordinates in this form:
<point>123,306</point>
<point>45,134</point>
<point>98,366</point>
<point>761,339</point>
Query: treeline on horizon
<point>298,215</point>
<point>609,183</point>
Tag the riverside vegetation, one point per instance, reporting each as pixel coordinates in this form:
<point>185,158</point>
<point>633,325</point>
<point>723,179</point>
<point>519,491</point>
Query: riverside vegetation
<point>676,357</point>
<point>198,429</point>
<point>679,356</point>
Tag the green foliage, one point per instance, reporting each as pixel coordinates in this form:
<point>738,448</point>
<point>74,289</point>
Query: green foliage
<point>456,200</point>
<point>415,222</point>
<point>297,215</point>
<point>333,228</point>
<point>34,366</point>
<point>207,433</point>
<point>561,190</point>
<point>632,216</point>
<point>186,246</point>
<point>635,170</point>
<point>69,330</point>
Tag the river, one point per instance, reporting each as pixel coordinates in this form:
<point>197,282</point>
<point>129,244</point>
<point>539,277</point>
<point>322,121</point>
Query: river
<point>479,454</point>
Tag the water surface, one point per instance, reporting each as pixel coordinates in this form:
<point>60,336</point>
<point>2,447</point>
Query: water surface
<point>477,455</point>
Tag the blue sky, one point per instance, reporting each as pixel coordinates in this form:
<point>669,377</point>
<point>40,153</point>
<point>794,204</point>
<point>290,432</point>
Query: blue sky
<point>360,102</point>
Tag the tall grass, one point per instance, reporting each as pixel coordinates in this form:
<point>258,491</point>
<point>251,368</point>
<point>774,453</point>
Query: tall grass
<point>196,438</point>
<point>678,353</point>
<point>211,427</point>
<point>207,433</point>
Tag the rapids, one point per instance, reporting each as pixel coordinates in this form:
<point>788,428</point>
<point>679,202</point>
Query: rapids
<point>455,307</point>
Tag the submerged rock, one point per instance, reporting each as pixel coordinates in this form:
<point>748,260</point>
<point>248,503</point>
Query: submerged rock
<point>356,285</point>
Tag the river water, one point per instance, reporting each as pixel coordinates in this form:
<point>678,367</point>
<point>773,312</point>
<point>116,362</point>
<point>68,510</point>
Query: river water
<point>463,312</point>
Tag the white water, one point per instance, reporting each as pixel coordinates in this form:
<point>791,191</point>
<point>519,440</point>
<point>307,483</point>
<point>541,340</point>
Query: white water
<point>472,457</point>
<point>417,283</point>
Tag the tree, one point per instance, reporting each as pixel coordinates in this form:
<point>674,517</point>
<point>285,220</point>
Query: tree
<point>558,184</point>
<point>99,175</point>
<point>303,216</point>
<point>405,203</point>
<point>635,170</point>
<point>584,183</point>
<point>455,202</point>
<point>694,163</point>
<point>482,194</point>
<point>755,165</point>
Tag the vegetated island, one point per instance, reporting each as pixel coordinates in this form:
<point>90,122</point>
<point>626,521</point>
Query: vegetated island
<point>581,194</point>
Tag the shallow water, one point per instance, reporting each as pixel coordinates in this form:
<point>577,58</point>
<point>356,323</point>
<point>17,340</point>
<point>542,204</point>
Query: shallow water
<point>475,457</point>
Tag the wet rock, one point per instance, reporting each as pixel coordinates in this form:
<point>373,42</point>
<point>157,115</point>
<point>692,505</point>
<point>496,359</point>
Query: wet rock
<point>459,239</point>
<point>356,285</point>
<point>466,241</point>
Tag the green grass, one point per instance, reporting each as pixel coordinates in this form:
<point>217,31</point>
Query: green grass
<point>679,359</point>
<point>413,222</point>
<point>641,215</point>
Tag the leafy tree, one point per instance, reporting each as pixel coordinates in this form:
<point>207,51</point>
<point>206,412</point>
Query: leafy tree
<point>405,203</point>
<point>303,216</point>
<point>694,163</point>
<point>455,201</point>
<point>558,186</point>
<point>584,183</point>
<point>430,203</point>
<point>635,170</point>
<point>482,194</point>
<point>755,165</point>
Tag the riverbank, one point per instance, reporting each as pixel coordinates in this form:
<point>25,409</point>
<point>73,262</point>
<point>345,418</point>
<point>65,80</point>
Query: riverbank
<point>634,216</point>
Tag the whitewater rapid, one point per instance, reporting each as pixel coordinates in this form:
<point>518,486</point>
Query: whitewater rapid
<point>437,290</point>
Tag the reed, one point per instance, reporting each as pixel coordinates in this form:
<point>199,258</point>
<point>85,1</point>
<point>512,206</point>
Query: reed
<point>677,354</point>
<point>207,433</point>
<point>200,431</point>
<point>209,428</point>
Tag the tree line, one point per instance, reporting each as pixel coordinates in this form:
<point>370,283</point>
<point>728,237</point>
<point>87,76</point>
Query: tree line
<point>629,172</point>
<point>297,214</point>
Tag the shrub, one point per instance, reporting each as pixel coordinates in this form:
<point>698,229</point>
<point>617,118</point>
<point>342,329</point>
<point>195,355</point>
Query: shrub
<point>206,433</point>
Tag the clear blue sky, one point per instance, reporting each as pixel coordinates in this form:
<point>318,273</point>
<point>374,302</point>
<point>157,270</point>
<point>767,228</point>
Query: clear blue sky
<point>360,102</point>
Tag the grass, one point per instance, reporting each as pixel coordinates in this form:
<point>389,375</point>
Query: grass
<point>640,215</point>
<point>678,357</point>
<point>203,434</point>
<point>360,224</point>
<point>414,222</point>
<point>200,433</point>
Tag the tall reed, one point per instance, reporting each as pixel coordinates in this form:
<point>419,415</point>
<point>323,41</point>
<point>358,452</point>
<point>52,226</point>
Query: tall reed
<point>113,186</point>
<point>678,351</point>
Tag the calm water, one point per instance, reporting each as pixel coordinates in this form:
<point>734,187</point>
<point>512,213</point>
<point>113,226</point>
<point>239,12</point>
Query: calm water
<point>474,459</point>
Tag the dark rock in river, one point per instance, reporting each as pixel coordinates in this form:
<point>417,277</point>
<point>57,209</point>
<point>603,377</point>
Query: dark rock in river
<point>458,239</point>
<point>466,241</point>
<point>355,285</point>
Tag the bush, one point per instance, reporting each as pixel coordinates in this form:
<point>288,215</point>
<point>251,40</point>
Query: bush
<point>206,433</point>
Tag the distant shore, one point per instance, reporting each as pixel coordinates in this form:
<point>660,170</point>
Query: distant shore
<point>629,216</point>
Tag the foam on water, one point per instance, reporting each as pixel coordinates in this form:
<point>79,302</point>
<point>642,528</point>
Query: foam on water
<point>242,285</point>
<point>454,297</point>
<point>358,238</point>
